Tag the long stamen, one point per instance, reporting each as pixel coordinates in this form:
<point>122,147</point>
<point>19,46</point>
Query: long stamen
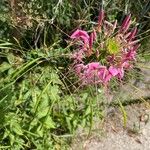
<point>114,26</point>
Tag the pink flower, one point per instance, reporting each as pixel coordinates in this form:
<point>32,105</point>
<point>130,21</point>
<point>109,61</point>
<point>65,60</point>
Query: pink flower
<point>92,73</point>
<point>80,34</point>
<point>96,73</point>
<point>115,51</point>
<point>105,75</point>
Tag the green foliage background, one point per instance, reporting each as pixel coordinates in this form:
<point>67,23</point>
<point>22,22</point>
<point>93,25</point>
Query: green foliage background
<point>41,105</point>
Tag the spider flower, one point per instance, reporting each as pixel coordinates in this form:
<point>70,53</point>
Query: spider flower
<point>106,52</point>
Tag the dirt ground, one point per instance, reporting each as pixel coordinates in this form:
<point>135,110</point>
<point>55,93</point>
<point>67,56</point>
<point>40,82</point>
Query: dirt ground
<point>111,135</point>
<point>136,136</point>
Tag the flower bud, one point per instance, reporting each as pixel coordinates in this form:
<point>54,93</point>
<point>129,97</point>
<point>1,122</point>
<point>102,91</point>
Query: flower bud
<point>126,23</point>
<point>133,33</point>
<point>100,19</point>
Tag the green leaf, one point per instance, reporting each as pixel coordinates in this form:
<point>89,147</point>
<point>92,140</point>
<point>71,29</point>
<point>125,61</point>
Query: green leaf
<point>17,129</point>
<point>68,121</point>
<point>40,131</point>
<point>55,78</point>
<point>33,123</point>
<point>49,123</point>
<point>88,111</point>
<point>11,58</point>
<point>4,66</point>
<point>6,134</point>
<point>42,112</point>
<point>12,139</point>
<point>54,93</point>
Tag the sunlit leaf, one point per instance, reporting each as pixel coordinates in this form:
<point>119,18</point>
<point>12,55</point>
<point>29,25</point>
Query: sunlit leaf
<point>49,123</point>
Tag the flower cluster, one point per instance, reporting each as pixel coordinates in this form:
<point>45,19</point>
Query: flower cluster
<point>106,52</point>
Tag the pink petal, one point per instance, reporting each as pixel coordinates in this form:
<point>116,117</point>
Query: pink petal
<point>120,73</point>
<point>113,70</point>
<point>131,55</point>
<point>79,33</point>
<point>93,65</point>
<point>107,78</point>
<point>102,72</point>
<point>85,39</point>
